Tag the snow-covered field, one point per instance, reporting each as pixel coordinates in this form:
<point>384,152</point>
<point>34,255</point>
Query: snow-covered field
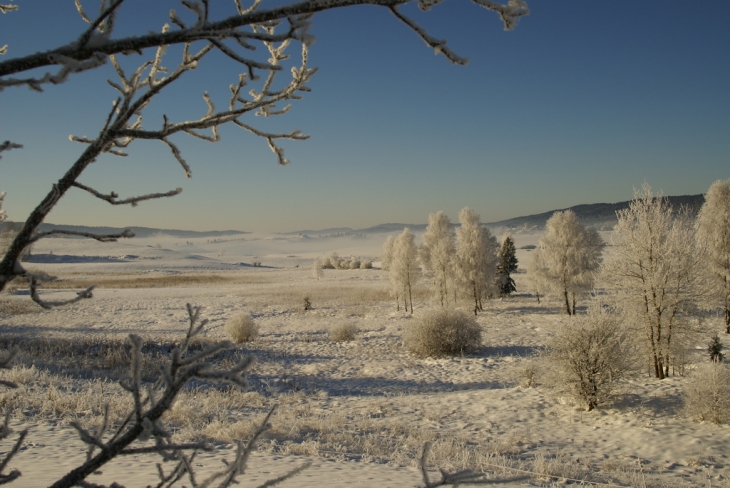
<point>363,409</point>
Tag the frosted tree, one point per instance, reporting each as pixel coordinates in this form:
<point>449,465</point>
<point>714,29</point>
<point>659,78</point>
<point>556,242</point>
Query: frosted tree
<point>713,230</point>
<point>656,273</point>
<point>404,271</point>
<point>476,257</point>
<point>386,258</point>
<point>317,271</point>
<point>257,38</point>
<point>567,258</point>
<point>437,253</point>
<point>507,265</point>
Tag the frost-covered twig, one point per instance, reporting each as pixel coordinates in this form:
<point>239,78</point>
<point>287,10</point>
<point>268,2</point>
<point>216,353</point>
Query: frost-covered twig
<point>143,423</point>
<point>33,287</point>
<point>204,29</point>
<point>125,234</point>
<point>460,477</point>
<point>3,215</point>
<point>7,146</point>
<point>438,45</point>
<point>133,201</point>
<point>6,431</point>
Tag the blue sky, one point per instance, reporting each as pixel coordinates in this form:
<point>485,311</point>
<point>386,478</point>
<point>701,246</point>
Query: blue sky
<point>581,103</point>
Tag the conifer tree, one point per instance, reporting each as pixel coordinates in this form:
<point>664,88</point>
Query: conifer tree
<point>506,266</point>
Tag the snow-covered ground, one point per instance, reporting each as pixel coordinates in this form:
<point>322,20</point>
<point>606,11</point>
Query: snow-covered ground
<point>363,408</point>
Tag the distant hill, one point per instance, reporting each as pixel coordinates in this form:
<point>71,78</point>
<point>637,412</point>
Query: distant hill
<point>140,231</point>
<point>599,215</point>
<point>332,230</point>
<point>393,228</point>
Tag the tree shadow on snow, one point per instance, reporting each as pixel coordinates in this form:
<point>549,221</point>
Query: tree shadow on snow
<point>501,351</point>
<point>375,386</point>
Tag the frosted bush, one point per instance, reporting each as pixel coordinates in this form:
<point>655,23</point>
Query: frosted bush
<point>343,332</point>
<point>707,393</point>
<point>587,356</point>
<point>441,333</point>
<point>366,264</point>
<point>242,328</point>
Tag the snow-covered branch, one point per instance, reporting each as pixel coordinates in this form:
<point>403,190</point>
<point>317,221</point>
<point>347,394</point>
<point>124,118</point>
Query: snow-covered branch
<point>125,234</point>
<point>113,197</point>
<point>91,46</point>
<point>7,146</point>
<point>264,35</point>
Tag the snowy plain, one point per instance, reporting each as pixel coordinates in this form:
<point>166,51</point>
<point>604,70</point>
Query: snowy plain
<point>361,409</point>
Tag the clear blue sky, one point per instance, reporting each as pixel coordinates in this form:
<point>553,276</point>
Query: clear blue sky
<point>582,102</point>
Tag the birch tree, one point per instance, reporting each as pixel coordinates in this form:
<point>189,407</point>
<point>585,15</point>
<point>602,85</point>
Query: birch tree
<point>567,257</point>
<point>258,38</point>
<point>656,274</point>
<point>386,257</point>
<point>713,230</point>
<point>404,271</point>
<point>476,257</point>
<point>437,254</point>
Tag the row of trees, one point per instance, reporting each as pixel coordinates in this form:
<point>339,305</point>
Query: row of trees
<point>665,264</point>
<point>459,262</point>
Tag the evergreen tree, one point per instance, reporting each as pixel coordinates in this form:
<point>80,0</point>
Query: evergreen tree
<point>506,265</point>
<point>714,348</point>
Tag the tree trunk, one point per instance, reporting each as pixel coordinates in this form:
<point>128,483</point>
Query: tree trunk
<point>573,296</point>
<point>476,298</point>
<point>567,302</point>
<point>410,296</point>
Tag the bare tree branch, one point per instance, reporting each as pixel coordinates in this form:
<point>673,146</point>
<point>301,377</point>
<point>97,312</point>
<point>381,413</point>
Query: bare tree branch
<point>87,293</point>
<point>126,234</point>
<point>460,477</point>
<point>80,51</point>
<point>7,146</point>
<point>113,197</point>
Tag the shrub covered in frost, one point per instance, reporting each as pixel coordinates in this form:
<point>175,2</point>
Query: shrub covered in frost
<point>707,393</point>
<point>587,356</point>
<point>441,333</point>
<point>343,332</point>
<point>242,328</point>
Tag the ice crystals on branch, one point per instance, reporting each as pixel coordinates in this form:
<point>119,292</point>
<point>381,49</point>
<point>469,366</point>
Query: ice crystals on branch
<point>3,215</point>
<point>5,8</point>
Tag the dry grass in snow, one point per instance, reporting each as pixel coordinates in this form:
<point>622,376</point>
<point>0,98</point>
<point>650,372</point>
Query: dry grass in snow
<point>367,399</point>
